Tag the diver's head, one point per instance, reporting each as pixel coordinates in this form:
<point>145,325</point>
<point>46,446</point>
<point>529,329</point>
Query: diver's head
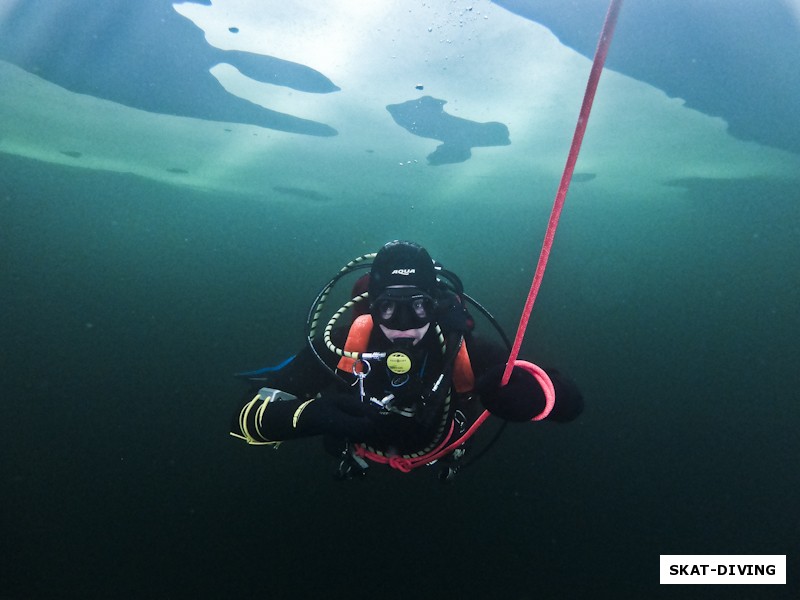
<point>402,289</point>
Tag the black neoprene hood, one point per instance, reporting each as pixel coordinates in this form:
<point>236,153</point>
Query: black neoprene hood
<point>402,263</point>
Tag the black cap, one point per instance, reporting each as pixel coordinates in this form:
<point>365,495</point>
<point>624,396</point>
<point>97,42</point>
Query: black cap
<point>402,263</point>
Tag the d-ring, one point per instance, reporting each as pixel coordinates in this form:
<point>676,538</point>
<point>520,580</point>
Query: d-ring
<point>365,371</point>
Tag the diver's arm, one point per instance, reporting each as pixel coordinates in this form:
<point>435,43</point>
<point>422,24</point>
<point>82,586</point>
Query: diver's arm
<point>273,416</point>
<point>302,376</point>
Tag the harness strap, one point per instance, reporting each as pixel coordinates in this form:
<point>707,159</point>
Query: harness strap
<point>358,340</point>
<point>405,464</point>
<point>463,375</point>
<point>443,450</point>
<point>463,381</point>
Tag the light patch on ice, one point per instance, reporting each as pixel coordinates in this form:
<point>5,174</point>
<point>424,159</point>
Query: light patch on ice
<point>488,64</point>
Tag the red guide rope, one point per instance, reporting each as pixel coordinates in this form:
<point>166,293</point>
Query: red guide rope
<point>406,464</point>
<point>566,178</point>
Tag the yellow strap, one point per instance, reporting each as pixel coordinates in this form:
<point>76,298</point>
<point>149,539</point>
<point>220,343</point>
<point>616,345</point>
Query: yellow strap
<point>299,411</point>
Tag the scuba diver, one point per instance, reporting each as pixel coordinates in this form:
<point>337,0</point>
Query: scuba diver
<point>407,382</point>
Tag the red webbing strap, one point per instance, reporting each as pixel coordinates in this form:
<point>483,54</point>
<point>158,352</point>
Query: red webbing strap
<point>566,178</point>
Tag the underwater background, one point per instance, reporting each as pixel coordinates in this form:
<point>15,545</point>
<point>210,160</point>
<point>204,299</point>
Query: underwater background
<point>132,288</point>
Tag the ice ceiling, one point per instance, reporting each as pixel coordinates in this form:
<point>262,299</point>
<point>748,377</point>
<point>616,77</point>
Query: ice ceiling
<point>351,99</point>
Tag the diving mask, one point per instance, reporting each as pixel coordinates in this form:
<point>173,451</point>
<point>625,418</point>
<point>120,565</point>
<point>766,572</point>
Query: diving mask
<point>403,308</point>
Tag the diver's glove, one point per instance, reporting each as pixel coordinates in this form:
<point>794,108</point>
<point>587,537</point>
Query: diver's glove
<point>569,400</point>
<point>521,399</point>
<point>341,415</point>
